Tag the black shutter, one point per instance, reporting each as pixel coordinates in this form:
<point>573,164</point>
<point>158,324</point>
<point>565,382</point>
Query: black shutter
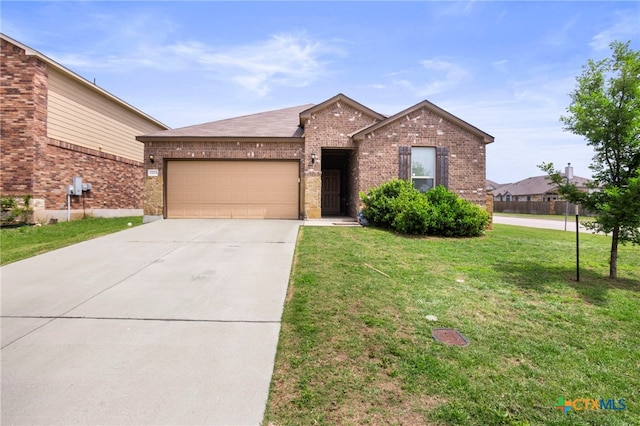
<point>442,166</point>
<point>404,162</point>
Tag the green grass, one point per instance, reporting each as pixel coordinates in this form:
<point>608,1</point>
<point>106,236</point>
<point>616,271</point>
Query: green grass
<point>355,347</point>
<point>27,241</point>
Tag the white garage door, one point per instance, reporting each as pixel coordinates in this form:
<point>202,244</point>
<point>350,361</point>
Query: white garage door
<point>232,189</point>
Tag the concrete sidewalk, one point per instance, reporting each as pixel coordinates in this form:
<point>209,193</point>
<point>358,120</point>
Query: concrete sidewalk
<point>541,223</point>
<point>172,322</point>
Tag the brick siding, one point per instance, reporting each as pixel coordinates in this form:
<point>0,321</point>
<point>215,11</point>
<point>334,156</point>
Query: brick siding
<point>330,128</point>
<point>378,153</point>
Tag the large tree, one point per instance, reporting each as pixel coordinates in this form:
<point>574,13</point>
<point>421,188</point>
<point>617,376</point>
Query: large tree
<point>605,109</point>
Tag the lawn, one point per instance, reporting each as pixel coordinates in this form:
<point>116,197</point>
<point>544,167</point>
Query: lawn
<point>355,346</point>
<point>21,243</point>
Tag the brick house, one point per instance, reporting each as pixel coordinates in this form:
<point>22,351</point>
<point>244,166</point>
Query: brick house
<point>55,126</point>
<point>308,161</point>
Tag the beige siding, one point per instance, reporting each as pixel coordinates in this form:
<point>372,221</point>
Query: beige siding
<point>81,116</point>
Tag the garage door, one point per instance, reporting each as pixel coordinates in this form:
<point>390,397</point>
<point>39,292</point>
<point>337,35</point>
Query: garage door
<point>232,189</point>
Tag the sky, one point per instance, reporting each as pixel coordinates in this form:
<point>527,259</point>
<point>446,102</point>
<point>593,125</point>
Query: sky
<point>505,67</point>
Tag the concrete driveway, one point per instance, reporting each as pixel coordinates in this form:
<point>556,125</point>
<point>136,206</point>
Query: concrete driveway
<point>173,322</point>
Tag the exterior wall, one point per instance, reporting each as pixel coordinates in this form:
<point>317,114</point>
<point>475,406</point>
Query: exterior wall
<point>23,90</point>
<point>36,164</point>
<point>219,150</point>
<point>378,153</point>
<point>329,128</point>
<point>84,117</point>
<point>117,184</point>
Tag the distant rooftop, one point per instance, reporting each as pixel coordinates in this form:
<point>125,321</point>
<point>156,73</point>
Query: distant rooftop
<point>534,185</point>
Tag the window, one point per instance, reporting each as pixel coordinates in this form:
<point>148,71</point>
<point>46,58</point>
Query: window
<point>423,168</point>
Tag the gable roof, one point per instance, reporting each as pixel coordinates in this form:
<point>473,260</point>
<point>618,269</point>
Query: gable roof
<point>276,124</point>
<point>491,185</point>
<point>305,115</point>
<point>79,79</point>
<point>534,186</point>
<point>487,138</point>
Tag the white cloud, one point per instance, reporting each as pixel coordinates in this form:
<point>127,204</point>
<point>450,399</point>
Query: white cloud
<point>448,76</point>
<point>501,65</point>
<point>282,60</point>
<point>624,28</point>
<point>441,76</point>
<point>455,8</point>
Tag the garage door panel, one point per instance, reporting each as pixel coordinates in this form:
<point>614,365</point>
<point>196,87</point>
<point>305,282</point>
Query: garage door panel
<point>232,189</point>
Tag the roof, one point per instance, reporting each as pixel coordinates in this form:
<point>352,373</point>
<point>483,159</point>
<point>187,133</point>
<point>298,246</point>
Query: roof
<point>491,185</point>
<point>534,186</point>
<point>79,79</point>
<point>487,138</point>
<point>277,124</point>
<point>304,115</point>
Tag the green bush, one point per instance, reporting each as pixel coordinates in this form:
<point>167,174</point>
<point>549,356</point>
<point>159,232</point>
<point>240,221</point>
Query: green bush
<point>397,205</point>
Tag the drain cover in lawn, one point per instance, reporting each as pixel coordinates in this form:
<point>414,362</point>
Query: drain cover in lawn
<point>449,336</point>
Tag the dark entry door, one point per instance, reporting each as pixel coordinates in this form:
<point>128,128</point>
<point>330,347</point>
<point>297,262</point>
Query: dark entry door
<point>330,192</point>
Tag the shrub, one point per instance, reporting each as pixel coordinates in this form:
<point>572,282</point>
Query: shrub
<point>381,202</point>
<point>397,205</point>
<point>454,216</point>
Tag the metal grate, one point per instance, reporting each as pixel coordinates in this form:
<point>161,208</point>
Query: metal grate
<point>449,336</point>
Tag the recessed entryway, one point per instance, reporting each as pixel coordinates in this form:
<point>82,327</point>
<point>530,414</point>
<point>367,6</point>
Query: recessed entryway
<point>336,182</point>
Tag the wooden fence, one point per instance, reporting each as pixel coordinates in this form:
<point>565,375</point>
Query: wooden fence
<point>538,207</point>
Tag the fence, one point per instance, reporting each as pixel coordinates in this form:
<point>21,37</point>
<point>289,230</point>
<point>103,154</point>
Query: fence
<point>538,207</point>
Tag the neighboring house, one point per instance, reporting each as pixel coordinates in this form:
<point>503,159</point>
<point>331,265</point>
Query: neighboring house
<point>537,188</point>
<point>308,161</point>
<point>491,185</point>
<point>57,126</point>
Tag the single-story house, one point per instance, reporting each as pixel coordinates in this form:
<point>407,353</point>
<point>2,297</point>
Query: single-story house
<point>536,188</point>
<point>308,161</point>
<point>57,126</point>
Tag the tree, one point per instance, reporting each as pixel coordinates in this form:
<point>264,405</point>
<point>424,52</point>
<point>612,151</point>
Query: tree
<point>605,109</point>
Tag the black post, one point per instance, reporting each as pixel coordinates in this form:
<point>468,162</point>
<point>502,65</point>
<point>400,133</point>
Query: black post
<point>577,249</point>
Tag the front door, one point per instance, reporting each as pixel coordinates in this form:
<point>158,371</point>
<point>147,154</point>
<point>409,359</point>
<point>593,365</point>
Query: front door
<point>330,192</point>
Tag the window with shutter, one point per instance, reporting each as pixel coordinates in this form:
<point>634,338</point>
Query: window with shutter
<point>425,166</point>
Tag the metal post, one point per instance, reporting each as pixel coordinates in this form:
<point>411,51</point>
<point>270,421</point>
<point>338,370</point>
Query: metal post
<point>577,246</point>
<point>568,174</point>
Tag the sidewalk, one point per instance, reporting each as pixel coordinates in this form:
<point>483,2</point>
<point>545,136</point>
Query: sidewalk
<point>541,223</point>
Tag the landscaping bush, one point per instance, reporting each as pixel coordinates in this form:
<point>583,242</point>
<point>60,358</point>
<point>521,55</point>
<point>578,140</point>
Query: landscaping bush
<point>397,205</point>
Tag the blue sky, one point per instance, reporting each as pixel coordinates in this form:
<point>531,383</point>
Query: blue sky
<point>505,67</point>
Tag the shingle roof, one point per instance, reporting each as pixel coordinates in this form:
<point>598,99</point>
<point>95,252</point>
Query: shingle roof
<point>281,123</point>
<point>534,186</point>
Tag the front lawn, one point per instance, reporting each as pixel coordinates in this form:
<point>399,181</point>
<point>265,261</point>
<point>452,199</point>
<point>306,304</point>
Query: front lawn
<point>355,346</point>
<point>27,241</point>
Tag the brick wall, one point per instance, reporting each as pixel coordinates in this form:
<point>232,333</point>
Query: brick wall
<point>117,183</point>
<point>224,150</point>
<point>378,152</point>
<point>330,128</point>
<point>23,92</point>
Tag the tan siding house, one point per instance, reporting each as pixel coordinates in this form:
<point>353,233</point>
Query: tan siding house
<point>56,126</point>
